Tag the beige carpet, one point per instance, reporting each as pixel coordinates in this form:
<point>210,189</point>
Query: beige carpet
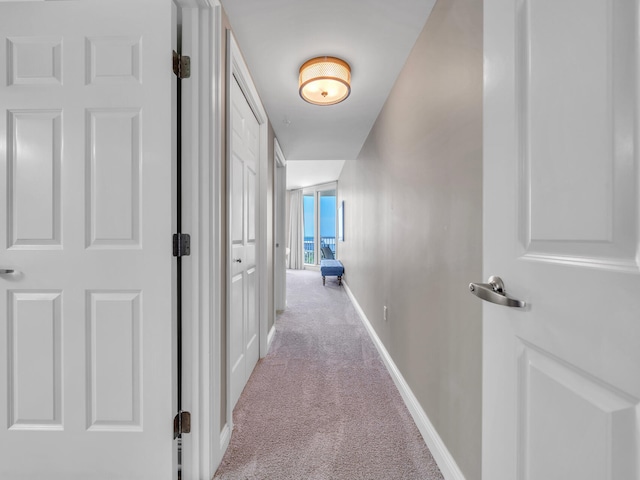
<point>321,405</point>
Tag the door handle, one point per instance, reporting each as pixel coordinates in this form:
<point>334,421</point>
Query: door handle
<point>494,292</point>
<point>237,260</point>
<point>6,271</point>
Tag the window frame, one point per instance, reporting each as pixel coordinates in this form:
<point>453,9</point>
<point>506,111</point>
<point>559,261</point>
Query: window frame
<point>316,191</point>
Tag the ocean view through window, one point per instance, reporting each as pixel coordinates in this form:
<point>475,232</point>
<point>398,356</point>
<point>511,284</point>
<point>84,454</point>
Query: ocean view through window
<point>319,212</point>
<point>309,202</point>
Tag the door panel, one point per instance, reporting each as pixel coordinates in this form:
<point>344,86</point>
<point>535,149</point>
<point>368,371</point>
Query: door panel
<point>252,346</point>
<point>34,60</point>
<point>114,159</point>
<point>237,203</point>
<point>244,143</point>
<point>562,406</point>
<point>34,144</point>
<point>561,390</point>
<point>590,159</point>
<point>113,358</point>
<point>34,356</point>
<point>251,199</point>
<point>86,383</point>
<point>236,335</point>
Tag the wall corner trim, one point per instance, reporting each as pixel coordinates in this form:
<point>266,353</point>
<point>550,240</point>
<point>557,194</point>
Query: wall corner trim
<point>441,455</point>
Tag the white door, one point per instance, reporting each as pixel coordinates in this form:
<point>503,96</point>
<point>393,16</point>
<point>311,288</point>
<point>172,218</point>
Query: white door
<point>561,175</point>
<point>244,345</point>
<point>85,175</point>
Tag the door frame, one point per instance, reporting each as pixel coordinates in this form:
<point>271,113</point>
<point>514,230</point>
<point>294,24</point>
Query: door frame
<point>237,68</point>
<point>280,193</point>
<point>201,28</point>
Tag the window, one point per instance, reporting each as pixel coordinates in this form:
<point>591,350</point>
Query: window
<point>308,212</point>
<point>319,212</point>
<point>328,219</point>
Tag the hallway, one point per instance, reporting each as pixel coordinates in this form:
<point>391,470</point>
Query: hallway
<point>321,404</point>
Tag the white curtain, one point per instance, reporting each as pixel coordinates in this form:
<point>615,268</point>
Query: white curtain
<point>296,232</point>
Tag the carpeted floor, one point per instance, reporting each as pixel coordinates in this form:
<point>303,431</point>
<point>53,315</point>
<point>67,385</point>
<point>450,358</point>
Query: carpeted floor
<point>321,404</point>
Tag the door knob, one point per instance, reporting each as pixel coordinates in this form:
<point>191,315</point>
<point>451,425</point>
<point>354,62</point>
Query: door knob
<point>494,292</point>
<point>6,271</point>
<point>237,260</point>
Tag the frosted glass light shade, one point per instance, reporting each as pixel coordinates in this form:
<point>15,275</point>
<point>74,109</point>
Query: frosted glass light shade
<point>325,80</point>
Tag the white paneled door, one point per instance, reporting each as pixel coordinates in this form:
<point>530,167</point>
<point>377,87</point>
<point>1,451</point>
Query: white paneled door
<point>244,334</point>
<point>561,177</point>
<point>85,220</point>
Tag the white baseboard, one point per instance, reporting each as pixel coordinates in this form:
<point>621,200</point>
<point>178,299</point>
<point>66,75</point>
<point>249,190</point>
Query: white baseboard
<point>225,438</point>
<point>270,336</point>
<point>441,455</point>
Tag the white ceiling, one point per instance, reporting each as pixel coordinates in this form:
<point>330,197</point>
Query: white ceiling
<point>304,173</point>
<point>277,36</point>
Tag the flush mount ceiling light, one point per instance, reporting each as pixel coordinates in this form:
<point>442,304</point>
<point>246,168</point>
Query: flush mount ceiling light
<point>325,80</point>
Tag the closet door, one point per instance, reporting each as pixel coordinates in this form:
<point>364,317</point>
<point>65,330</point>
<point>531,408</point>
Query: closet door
<point>244,345</point>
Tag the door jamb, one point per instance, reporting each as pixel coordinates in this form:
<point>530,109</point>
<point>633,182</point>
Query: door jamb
<point>203,448</point>
<point>236,67</point>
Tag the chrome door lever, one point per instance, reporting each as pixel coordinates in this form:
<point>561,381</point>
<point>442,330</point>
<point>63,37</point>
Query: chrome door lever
<point>6,271</point>
<point>494,292</point>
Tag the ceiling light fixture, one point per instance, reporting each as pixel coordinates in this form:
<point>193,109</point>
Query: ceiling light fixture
<point>325,80</point>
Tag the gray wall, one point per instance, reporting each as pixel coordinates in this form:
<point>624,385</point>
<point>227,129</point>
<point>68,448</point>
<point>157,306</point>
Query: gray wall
<point>413,225</point>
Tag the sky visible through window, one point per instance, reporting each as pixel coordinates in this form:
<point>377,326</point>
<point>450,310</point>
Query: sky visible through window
<point>327,216</point>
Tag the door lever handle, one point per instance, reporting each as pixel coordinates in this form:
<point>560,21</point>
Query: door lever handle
<point>6,271</point>
<point>237,260</point>
<point>494,292</point>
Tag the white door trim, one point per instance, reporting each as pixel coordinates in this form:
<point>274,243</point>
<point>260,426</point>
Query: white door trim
<point>237,68</point>
<point>280,190</point>
<point>202,218</point>
<point>278,155</point>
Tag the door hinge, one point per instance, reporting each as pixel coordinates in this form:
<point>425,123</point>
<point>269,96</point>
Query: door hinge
<point>181,424</point>
<point>181,65</point>
<point>181,244</point>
